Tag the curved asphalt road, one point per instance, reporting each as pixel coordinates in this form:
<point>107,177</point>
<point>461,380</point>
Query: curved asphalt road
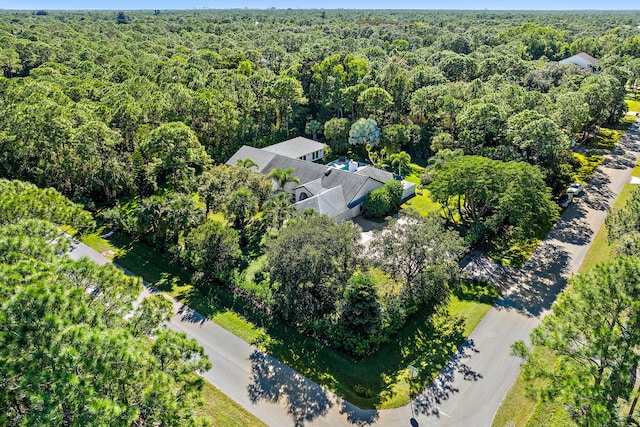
<point>471,387</point>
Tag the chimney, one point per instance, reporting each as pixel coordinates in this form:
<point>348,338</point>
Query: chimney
<point>353,166</point>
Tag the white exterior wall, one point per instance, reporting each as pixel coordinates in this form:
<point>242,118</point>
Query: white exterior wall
<point>409,189</point>
<point>348,214</point>
<point>368,187</point>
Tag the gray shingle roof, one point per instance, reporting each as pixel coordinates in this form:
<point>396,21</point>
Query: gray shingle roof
<point>261,157</point>
<point>329,177</point>
<point>295,148</point>
<point>331,202</point>
<point>377,174</point>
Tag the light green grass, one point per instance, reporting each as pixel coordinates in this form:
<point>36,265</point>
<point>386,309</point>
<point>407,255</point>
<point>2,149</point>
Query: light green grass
<point>608,136</point>
<point>600,250</point>
<point>221,411</point>
<point>99,244</point>
<point>633,104</point>
<point>421,202</point>
<point>511,254</point>
<point>589,162</point>
<point>518,405</point>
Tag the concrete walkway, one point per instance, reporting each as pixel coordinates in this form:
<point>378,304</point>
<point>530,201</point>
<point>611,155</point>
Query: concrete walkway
<point>470,388</point>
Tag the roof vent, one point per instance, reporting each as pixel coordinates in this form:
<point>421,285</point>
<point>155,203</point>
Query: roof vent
<point>328,171</point>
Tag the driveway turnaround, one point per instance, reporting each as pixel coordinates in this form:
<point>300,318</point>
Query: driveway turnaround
<point>472,385</point>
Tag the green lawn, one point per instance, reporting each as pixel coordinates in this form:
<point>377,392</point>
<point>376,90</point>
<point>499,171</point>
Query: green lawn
<point>222,411</point>
<point>378,381</point>
<point>421,202</point>
<point>633,104</point>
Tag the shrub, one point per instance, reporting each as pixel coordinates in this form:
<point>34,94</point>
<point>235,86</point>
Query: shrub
<point>384,200</point>
<point>377,203</point>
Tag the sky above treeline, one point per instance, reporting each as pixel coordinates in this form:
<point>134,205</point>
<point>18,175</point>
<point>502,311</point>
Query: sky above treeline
<point>326,4</point>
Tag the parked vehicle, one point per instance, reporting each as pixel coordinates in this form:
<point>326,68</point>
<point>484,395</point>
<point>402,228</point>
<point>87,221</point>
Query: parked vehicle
<point>575,189</point>
<point>565,200</point>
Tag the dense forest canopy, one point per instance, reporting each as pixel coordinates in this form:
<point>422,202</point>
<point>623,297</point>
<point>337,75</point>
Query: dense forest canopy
<point>138,110</point>
<point>92,91</point>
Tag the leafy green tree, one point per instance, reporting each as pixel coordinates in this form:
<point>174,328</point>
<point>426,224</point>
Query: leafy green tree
<point>623,226</point>
<point>242,206</point>
<point>489,195</point>
<point>217,184</point>
<point>74,359</point>
<point>384,200</point>
<point>571,113</point>
<point>313,128</point>
<point>482,124</point>
<point>288,94</point>
<point>594,334</point>
<point>213,249</point>
<point>246,163</point>
<point>360,314</point>
<point>336,131</point>
<point>402,161</point>
<point>245,67</point>
<point>21,200</point>
<point>394,137</point>
<point>377,204</point>
<point>375,101</point>
<point>163,220</point>
<point>535,138</point>
<point>366,133</point>
<point>422,253</point>
<point>309,266</point>
<point>175,155</point>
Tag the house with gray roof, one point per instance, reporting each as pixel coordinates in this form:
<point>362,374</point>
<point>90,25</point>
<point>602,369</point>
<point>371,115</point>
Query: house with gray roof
<point>334,189</point>
<point>299,148</point>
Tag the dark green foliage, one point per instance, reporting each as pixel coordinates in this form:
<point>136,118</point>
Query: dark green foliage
<point>88,91</point>
<point>360,317</point>
<point>489,195</point>
<point>212,248</point>
<point>384,200</point>
<point>21,200</point>
<point>68,356</point>
<point>218,184</point>
<point>377,204</point>
<point>310,262</point>
<point>122,18</point>
<point>594,334</point>
<point>623,226</point>
<point>131,109</point>
<point>422,255</point>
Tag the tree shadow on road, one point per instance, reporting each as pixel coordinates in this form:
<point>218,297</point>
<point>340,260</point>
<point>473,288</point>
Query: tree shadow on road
<point>275,382</point>
<point>357,416</point>
<point>539,282</point>
<point>573,228</point>
<point>441,388</point>
<point>622,156</point>
<point>598,194</point>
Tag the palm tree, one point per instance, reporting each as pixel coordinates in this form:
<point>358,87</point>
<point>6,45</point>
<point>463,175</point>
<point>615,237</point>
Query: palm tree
<point>282,177</point>
<point>401,161</point>
<point>246,163</point>
<point>278,209</point>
